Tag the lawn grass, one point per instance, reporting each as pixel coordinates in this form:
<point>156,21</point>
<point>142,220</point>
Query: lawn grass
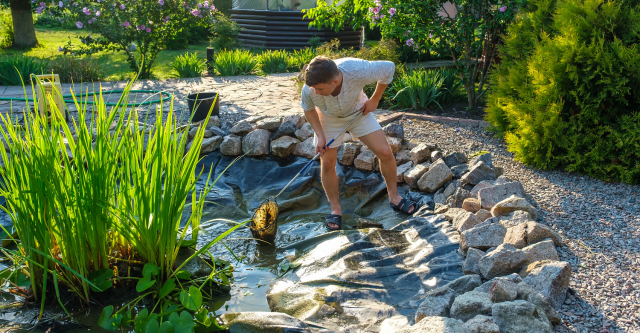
<point>114,63</point>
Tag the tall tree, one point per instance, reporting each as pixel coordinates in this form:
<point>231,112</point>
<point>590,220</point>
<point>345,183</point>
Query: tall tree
<point>24,32</point>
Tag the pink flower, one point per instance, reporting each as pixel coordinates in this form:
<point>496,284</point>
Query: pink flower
<point>195,12</point>
<point>376,10</point>
<point>98,13</point>
<point>126,24</point>
<point>430,36</point>
<point>79,25</point>
<point>199,5</point>
<point>503,8</point>
<point>142,27</point>
<point>166,18</point>
<point>86,11</point>
<point>39,10</point>
<point>370,9</point>
<point>148,29</point>
<point>42,4</point>
<point>90,21</point>
<point>410,42</point>
<point>206,3</point>
<point>213,7</point>
<point>392,11</point>
<point>161,2</point>
<point>122,6</point>
<point>184,4</point>
<point>60,4</point>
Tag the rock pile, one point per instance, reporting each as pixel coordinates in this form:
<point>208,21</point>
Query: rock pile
<point>515,281</point>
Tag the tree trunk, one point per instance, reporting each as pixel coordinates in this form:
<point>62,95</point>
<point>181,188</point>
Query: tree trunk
<point>24,33</point>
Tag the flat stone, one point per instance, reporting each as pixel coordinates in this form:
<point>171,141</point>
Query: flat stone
<point>478,173</point>
<point>242,128</point>
<point>481,324</point>
<point>435,324</point>
<point>269,124</point>
<point>394,144</point>
<point>231,145</point>
<point>512,204</point>
<point>544,250</point>
<point>517,236</point>
<point>304,132</point>
<point>286,129</point>
<point>486,158</point>
<point>458,198</point>
<point>210,144</point>
<point>438,174</point>
<point>283,146</point>
<point>520,317</point>
<point>471,304</point>
<point>365,160</point>
<point>256,143</point>
<point>459,170</point>
<point>483,214</point>
<point>402,169</point>
<point>482,236</point>
<point>420,153</point>
<point>490,196</point>
<point>451,213</point>
<point>403,157</point>
<point>242,322</point>
<point>552,281</point>
<point>470,265</point>
<point>505,259</point>
<point>455,158</point>
<point>503,290</point>
<point>471,205</point>
<point>394,130</point>
<point>305,148</point>
<point>537,232</point>
<point>465,221</point>
<point>515,218</point>
<point>347,152</point>
<point>465,283</point>
<point>413,175</point>
<point>526,293</point>
<point>436,155</point>
<point>437,302</point>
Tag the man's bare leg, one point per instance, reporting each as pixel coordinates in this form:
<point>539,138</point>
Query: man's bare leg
<point>329,179</point>
<point>377,143</point>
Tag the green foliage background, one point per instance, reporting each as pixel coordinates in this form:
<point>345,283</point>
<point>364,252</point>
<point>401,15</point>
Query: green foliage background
<point>567,92</point>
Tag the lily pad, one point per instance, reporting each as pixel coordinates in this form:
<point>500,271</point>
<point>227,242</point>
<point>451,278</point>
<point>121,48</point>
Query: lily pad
<point>182,323</point>
<point>144,284</point>
<point>109,322</point>
<point>150,269</point>
<point>101,279</point>
<point>191,300</point>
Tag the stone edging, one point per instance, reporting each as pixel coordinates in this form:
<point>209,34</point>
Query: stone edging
<point>445,120</point>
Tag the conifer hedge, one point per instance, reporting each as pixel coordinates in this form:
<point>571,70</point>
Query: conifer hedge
<point>567,92</point>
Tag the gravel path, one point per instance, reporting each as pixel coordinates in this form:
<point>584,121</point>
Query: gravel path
<point>599,223</point>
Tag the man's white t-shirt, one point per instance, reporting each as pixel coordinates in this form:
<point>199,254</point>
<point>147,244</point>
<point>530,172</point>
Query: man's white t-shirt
<point>356,73</point>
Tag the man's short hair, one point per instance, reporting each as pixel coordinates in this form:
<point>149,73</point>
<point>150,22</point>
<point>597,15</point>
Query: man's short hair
<point>320,70</point>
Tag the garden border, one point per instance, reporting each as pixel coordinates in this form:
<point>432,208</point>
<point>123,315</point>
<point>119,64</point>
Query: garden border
<point>446,120</point>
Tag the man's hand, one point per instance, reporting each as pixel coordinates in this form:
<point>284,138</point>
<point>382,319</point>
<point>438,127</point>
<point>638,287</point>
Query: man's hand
<point>320,145</point>
<point>370,105</point>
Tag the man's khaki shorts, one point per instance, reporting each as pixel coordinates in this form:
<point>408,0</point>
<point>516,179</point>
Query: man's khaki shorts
<point>333,125</point>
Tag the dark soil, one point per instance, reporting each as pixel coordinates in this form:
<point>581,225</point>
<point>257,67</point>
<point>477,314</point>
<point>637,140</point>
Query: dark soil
<point>453,110</point>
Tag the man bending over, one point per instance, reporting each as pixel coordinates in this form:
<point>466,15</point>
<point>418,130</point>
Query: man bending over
<point>331,98</point>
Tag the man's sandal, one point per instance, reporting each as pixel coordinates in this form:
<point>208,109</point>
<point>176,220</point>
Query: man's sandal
<point>404,205</point>
<point>335,219</point>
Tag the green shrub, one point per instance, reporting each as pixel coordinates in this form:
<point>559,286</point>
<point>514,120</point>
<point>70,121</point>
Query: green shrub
<point>224,33</point>
<point>385,50</point>
<point>188,65</point>
<point>16,68</point>
<point>566,94</point>
<point>72,69</point>
<point>299,58</point>
<point>6,28</point>
<point>419,89</point>
<point>274,61</point>
<point>237,62</point>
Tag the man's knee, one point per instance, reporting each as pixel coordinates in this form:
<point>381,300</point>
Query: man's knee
<point>328,161</point>
<point>385,155</point>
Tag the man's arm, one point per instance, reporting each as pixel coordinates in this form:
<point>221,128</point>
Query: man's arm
<point>372,103</point>
<point>314,121</point>
<point>382,73</point>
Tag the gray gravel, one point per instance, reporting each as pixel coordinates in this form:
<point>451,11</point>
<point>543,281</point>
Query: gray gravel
<point>599,223</point>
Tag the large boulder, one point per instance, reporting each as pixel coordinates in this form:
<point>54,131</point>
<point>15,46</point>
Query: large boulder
<point>481,324</point>
<point>470,265</point>
<point>365,160</point>
<point>402,169</point>
<point>544,250</point>
<point>242,128</point>
<point>394,131</point>
<point>505,259</point>
<point>347,152</point>
<point>283,146</point>
<point>245,322</point>
<point>455,158</point>
<point>520,317</point>
<point>394,144</point>
<point>403,157</point>
<point>483,236</point>
<point>490,196</point>
<point>537,232</point>
<point>437,302</point>
<point>513,203</point>
<point>269,124</point>
<point>210,144</point>
<point>435,324</point>
<point>256,143</point>
<point>286,129</point>
<point>305,148</point>
<point>231,145</point>
<point>413,175</point>
<point>465,221</point>
<point>420,153</point>
<point>552,281</point>
<point>471,304</point>
<point>304,132</point>
<point>503,290</point>
<point>478,173</point>
<point>438,174</point>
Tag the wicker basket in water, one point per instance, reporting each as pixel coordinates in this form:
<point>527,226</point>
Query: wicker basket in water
<point>263,224</point>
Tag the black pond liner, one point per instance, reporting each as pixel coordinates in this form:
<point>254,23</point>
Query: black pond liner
<point>302,210</point>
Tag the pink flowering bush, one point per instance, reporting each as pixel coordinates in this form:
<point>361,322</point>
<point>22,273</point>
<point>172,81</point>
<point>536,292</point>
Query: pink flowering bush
<point>466,30</point>
<point>140,28</point>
